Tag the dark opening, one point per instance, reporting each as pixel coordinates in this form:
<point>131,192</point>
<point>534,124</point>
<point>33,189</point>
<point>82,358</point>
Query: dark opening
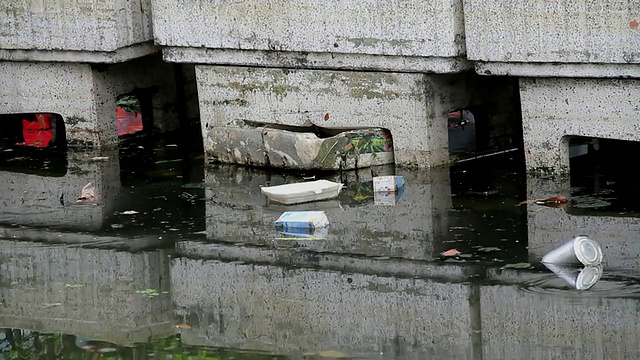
<point>33,143</point>
<point>461,124</point>
<point>603,177</point>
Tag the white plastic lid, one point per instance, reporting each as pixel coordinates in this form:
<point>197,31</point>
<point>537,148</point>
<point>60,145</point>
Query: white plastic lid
<point>587,251</point>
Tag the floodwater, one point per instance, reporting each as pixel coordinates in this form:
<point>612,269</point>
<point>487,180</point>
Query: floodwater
<point>169,259</point>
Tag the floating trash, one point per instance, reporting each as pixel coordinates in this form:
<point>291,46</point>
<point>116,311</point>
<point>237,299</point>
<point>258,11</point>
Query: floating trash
<point>580,250</point>
<point>303,192</point>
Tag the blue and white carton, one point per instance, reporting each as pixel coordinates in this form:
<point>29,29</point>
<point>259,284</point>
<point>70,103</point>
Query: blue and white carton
<point>301,221</point>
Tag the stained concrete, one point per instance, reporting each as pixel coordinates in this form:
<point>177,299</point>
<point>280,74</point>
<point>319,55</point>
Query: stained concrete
<point>302,310</point>
<point>383,35</point>
<point>554,109</point>
<point>85,292</point>
<point>515,36</point>
<point>412,106</point>
<point>548,228</point>
<point>44,29</point>
<point>85,95</point>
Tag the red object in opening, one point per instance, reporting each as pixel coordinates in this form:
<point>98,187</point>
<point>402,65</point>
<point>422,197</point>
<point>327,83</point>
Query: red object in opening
<point>38,133</point>
<point>127,122</point>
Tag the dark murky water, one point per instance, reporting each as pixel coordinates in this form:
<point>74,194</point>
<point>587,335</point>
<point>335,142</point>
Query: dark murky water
<point>170,260</point>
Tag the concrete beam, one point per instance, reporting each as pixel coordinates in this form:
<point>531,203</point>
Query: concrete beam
<point>413,107</point>
<point>37,28</point>
<point>555,109</point>
<point>407,28</point>
<point>586,37</point>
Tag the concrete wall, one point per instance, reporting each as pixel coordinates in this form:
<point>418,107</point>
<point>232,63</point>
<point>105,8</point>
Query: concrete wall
<point>542,31</point>
<point>104,304</point>
<point>237,212</point>
<point>73,25</point>
<point>301,310</point>
<point>35,200</point>
<point>555,108</point>
<point>412,106</point>
<point>86,95</point>
<point>314,34</point>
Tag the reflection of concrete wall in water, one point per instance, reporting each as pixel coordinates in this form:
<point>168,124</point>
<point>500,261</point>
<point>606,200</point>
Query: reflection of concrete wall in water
<point>35,200</point>
<point>236,212</point>
<point>38,292</point>
<point>550,228</point>
<point>284,310</point>
<point>526,325</point>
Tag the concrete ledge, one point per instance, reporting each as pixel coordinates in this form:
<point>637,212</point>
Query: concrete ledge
<point>108,57</point>
<point>317,60</point>
<point>558,70</point>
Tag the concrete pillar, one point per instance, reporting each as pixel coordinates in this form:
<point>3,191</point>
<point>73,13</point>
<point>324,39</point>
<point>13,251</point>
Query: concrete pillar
<point>85,95</point>
<point>412,106</point>
<point>554,109</point>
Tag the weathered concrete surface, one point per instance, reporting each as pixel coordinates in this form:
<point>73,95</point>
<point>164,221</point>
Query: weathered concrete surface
<point>412,106</point>
<point>301,310</point>
<point>237,212</point>
<point>550,228</point>
<point>37,200</point>
<point>516,35</point>
<point>85,292</point>
<point>48,31</point>
<point>85,96</point>
<point>555,109</point>
<point>398,35</point>
<point>543,323</point>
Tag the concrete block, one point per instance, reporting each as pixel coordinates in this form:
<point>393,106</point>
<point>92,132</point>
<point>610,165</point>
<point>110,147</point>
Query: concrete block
<point>518,36</point>
<point>35,29</point>
<point>85,292</point>
<point>381,35</point>
<point>412,106</point>
<point>553,110</point>
<point>85,95</point>
<point>236,145</point>
<point>295,311</point>
<point>549,228</point>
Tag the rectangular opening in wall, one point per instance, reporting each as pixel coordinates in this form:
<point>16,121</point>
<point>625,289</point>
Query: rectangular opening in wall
<point>461,125</point>
<point>33,143</point>
<point>128,116</point>
<point>602,177</point>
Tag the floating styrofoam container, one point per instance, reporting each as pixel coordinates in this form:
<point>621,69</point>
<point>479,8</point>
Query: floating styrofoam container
<point>303,192</point>
<point>301,221</point>
<point>387,183</point>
